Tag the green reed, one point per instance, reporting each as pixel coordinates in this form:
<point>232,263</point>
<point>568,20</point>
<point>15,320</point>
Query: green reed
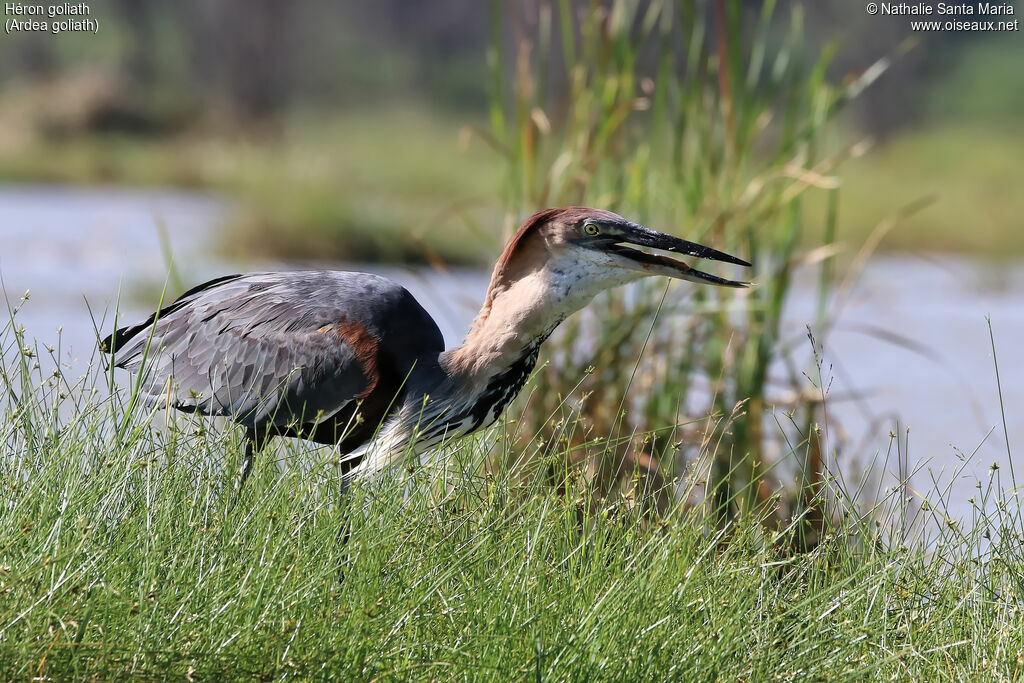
<point>707,120</point>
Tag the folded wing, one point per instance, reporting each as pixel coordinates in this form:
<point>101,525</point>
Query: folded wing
<point>276,348</point>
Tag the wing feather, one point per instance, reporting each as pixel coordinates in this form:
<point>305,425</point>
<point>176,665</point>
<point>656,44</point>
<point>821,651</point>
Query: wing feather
<point>275,348</point>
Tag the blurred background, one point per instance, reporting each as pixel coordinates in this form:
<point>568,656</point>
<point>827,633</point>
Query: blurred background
<point>331,120</point>
<point>873,173</point>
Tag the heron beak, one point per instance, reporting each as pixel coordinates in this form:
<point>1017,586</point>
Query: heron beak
<point>656,264</point>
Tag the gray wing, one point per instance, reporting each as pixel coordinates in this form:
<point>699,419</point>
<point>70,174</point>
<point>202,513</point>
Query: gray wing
<point>276,348</point>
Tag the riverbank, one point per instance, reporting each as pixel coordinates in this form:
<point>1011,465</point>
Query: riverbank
<point>411,185</point>
<point>400,185</point>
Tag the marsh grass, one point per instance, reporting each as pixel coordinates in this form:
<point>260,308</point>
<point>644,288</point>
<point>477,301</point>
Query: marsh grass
<point>120,553</point>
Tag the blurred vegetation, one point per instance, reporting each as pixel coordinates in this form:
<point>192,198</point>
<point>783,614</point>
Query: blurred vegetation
<point>234,96</point>
<point>394,185</point>
<point>959,155</point>
<point>728,149</point>
<point>966,177</point>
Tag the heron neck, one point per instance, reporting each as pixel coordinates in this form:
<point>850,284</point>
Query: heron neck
<point>480,377</point>
<point>512,323</point>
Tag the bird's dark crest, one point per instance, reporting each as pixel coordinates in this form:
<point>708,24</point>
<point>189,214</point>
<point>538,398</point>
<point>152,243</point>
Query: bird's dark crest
<point>529,226</point>
<point>568,214</point>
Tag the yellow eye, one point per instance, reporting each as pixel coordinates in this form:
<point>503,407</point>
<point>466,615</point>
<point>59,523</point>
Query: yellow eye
<point>591,229</point>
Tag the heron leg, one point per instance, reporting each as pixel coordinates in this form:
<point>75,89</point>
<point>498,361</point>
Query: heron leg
<point>253,443</point>
<point>346,514</point>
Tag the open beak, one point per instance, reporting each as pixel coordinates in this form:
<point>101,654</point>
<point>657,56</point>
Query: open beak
<point>656,264</point>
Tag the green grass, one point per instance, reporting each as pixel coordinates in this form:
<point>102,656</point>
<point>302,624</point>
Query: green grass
<point>121,554</point>
<point>959,155</point>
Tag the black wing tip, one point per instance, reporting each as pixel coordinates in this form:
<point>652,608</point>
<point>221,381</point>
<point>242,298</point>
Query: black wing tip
<point>113,343</point>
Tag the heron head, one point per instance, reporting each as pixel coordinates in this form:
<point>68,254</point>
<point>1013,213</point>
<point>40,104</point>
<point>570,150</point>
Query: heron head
<point>603,250</point>
<point>555,264</point>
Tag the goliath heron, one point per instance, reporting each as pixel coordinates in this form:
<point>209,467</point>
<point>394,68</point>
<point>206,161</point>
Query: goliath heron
<point>353,360</point>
